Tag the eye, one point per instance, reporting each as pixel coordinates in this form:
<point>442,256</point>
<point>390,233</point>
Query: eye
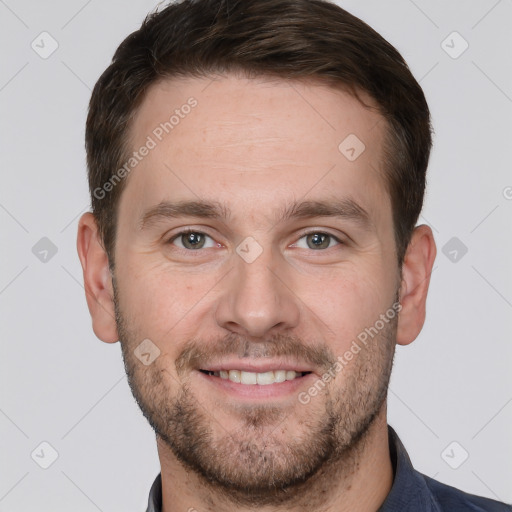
<point>192,240</point>
<point>317,240</point>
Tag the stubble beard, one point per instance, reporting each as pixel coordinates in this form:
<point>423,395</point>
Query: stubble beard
<point>253,465</point>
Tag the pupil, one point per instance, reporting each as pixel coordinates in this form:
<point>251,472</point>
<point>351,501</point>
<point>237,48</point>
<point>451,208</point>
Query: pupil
<point>193,239</point>
<point>318,240</point>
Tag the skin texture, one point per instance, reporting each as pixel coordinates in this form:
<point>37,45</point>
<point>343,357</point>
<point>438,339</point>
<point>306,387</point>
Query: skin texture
<point>256,145</point>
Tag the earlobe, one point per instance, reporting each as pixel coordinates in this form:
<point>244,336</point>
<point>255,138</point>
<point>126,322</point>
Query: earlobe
<point>416,271</point>
<point>97,279</point>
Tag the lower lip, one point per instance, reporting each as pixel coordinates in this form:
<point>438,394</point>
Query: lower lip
<point>257,391</point>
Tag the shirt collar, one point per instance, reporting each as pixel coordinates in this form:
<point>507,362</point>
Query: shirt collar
<point>409,492</point>
<point>155,495</point>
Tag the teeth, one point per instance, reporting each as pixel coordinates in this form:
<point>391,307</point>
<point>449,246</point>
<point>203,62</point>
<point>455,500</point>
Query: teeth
<point>234,375</point>
<point>248,378</point>
<point>265,378</point>
<point>262,379</point>
<point>280,375</point>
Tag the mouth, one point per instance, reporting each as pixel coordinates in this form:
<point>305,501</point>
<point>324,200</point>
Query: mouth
<point>256,386</point>
<point>259,379</point>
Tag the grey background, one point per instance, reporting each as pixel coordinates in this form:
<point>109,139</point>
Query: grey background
<point>61,385</point>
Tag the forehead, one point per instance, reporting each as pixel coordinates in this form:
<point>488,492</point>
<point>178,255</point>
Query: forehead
<point>255,143</point>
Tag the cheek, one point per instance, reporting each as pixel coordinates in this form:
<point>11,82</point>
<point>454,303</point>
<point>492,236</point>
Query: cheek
<point>159,301</point>
<point>347,303</point>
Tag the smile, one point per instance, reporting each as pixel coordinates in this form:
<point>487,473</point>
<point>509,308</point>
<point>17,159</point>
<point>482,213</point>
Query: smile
<point>252,378</point>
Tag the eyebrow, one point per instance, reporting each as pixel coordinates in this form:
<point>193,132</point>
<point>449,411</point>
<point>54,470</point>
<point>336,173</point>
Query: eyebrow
<point>345,208</point>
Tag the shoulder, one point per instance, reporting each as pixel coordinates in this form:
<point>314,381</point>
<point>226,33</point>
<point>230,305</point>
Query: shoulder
<point>452,499</point>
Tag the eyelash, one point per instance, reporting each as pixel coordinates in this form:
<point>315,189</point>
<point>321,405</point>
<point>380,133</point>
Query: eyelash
<point>302,235</point>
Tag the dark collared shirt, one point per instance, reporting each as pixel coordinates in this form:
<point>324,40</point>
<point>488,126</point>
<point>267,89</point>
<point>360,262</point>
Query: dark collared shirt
<point>411,490</point>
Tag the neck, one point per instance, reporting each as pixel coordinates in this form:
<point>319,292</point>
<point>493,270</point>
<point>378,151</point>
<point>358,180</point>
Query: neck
<point>359,482</point>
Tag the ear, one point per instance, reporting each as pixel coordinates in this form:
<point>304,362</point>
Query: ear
<point>97,279</point>
<point>416,269</point>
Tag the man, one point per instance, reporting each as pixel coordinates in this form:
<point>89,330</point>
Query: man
<point>256,171</point>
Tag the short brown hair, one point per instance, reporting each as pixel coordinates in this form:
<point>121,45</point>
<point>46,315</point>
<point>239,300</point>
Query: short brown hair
<point>288,39</point>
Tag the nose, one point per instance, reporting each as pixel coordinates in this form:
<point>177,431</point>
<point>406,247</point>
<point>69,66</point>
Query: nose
<point>258,300</point>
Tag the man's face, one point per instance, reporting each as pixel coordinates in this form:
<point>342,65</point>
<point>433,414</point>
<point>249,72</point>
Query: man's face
<point>252,290</point>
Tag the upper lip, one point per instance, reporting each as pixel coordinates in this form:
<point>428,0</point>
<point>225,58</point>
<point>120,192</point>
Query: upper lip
<point>259,366</point>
